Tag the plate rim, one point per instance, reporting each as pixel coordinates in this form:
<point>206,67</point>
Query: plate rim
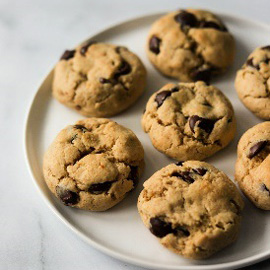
<point>95,244</point>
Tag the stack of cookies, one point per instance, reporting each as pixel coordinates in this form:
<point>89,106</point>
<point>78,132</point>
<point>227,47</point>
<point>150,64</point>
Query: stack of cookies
<point>190,206</point>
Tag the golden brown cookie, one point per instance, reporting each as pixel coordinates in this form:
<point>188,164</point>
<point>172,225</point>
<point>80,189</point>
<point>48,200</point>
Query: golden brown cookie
<point>192,208</point>
<point>93,164</point>
<point>252,168</point>
<point>189,120</point>
<point>252,82</point>
<point>99,79</point>
<point>190,45</point>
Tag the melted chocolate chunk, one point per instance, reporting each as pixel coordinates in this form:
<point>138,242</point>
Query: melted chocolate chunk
<point>174,89</point>
<point>179,163</point>
<point>192,121</point>
<point>81,127</point>
<point>211,24</point>
<point>154,44</point>
<point>99,188</point>
<point>200,171</point>
<point>185,176</point>
<point>186,19</point>
<point>134,175</point>
<point>123,69</point>
<point>256,148</point>
<point>104,80</point>
<point>206,124</point>
<point>67,55</point>
<point>202,75</point>
<point>68,197</point>
<point>161,96</point>
<point>85,47</point>
<point>160,228</point>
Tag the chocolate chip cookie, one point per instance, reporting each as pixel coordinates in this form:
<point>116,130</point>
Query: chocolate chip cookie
<point>253,165</point>
<point>190,45</point>
<point>252,82</point>
<point>192,208</point>
<point>93,164</point>
<point>99,79</point>
<point>189,120</point>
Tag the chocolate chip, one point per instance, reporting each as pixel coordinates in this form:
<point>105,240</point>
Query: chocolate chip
<point>174,89</point>
<point>99,188</point>
<point>78,107</point>
<point>182,230</point>
<point>67,55</point>
<point>186,19</point>
<point>264,188</point>
<point>104,80</point>
<point>211,24</point>
<point>68,197</point>
<point>123,69</point>
<point>160,228</point>
<point>179,163</point>
<point>200,171</point>
<point>206,124</point>
<point>85,47</point>
<point>154,44</point>
<point>202,74</point>
<point>81,127</point>
<point>161,96</point>
<point>134,175</point>
<point>256,148</point>
<point>266,47</point>
<point>250,63</point>
<point>192,121</point>
<point>184,176</point>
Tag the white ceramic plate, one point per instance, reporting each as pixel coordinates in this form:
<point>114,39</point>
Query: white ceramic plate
<point>119,232</point>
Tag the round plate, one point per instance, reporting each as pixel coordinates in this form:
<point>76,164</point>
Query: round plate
<point>119,232</point>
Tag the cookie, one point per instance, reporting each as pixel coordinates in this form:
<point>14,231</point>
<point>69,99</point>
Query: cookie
<point>252,82</point>
<point>253,165</point>
<point>93,164</point>
<point>98,79</point>
<point>190,45</point>
<point>189,120</point>
<point>192,208</point>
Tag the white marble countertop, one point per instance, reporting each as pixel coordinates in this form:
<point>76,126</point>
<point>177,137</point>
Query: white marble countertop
<point>33,35</point>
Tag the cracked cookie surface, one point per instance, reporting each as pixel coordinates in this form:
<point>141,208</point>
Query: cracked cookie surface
<point>192,208</point>
<point>93,164</point>
<point>190,45</point>
<point>189,120</point>
<point>252,82</point>
<point>253,165</point>
<point>98,79</point>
